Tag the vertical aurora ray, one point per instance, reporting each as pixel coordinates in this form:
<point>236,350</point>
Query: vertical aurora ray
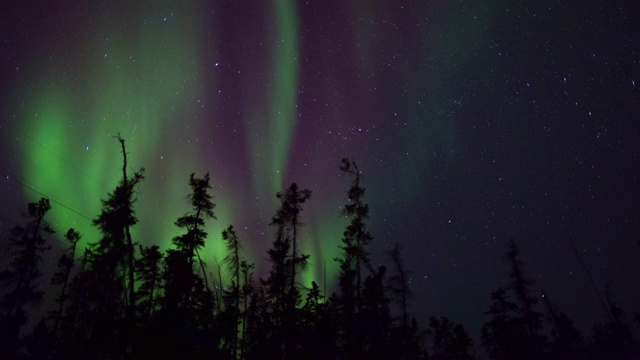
<point>270,144</point>
<point>134,75</point>
<point>321,239</point>
<point>142,71</point>
<point>286,85</point>
<point>270,114</point>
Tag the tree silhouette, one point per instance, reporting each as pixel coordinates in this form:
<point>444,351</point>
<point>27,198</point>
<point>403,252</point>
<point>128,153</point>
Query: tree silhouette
<point>356,236</point>
<point>66,262</point>
<point>112,262</point>
<point>186,310</point>
<point>375,317</point>
<point>26,244</point>
<point>128,204</point>
<point>566,340</point>
<point>247,292</point>
<point>78,317</point>
<point>405,337</point>
<point>187,303</point>
<point>180,314</point>
<point>515,327</point>
<point>193,222</point>
<point>257,338</point>
<point>502,335</point>
<point>449,341</point>
<point>318,338</point>
<point>234,295</point>
<point>292,200</point>
<point>399,283</point>
<point>613,339</point>
<point>149,274</point>
<point>521,285</point>
<point>353,257</point>
<point>277,281</point>
<point>282,290</point>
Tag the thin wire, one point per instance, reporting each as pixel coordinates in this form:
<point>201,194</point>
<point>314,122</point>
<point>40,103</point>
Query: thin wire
<point>50,198</point>
<point>69,163</point>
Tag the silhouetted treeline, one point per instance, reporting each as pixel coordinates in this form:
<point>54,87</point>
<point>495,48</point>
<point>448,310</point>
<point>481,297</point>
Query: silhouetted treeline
<point>119,300</point>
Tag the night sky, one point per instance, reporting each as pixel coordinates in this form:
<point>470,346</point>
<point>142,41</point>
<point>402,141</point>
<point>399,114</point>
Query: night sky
<point>473,122</point>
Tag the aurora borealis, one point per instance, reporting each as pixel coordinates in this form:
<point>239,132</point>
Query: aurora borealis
<point>473,123</point>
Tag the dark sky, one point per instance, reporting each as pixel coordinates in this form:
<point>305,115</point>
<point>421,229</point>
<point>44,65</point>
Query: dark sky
<point>473,123</point>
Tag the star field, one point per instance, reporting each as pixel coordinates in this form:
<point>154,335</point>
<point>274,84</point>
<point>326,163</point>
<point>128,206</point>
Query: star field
<point>473,123</point>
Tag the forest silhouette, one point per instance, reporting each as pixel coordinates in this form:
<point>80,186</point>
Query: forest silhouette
<point>122,300</point>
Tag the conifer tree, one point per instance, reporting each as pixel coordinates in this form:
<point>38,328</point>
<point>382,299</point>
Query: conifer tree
<point>194,222</point>
<point>292,200</point>
<point>112,267</point>
<point>277,281</point>
<point>66,262</point>
<point>356,237</point>
<point>399,284</point>
<point>354,257</point>
<point>76,321</point>
<point>449,340</point>
<point>187,302</point>
<point>286,260</point>
<point>514,322</point>
<point>375,316</point>
<point>521,286</point>
<point>613,339</point>
<point>232,311</point>
<point>502,334</point>
<point>317,339</point>
<point>114,257</point>
<point>26,244</point>
<point>247,292</point>
<point>149,275</point>
<point>565,338</point>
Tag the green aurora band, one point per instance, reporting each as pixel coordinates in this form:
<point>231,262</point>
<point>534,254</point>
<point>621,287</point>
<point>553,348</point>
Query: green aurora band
<point>143,81</point>
<point>269,160</point>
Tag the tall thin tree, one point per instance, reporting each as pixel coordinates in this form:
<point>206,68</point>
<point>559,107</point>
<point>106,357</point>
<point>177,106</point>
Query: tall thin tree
<point>356,236</point>
<point>285,261</point>
<point>66,262</point>
<point>521,286</point>
<point>292,200</point>
<point>233,263</point>
<point>27,244</point>
<point>148,269</point>
<point>112,266</point>
<point>127,230</point>
<point>400,285</point>
<point>194,221</point>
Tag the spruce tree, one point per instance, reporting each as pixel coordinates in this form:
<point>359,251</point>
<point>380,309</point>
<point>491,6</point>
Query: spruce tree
<point>502,334</point>
<point>233,296</point>
<point>399,284</point>
<point>449,340</point>
<point>514,321</point>
<point>26,244</point>
<point>114,252</point>
<point>194,222</point>
<point>112,266</point>
<point>521,286</point>
<point>61,277</point>
<point>248,291</point>
<point>356,237</point>
<point>149,275</point>
<point>354,257</point>
<point>188,303</point>
<point>285,260</point>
